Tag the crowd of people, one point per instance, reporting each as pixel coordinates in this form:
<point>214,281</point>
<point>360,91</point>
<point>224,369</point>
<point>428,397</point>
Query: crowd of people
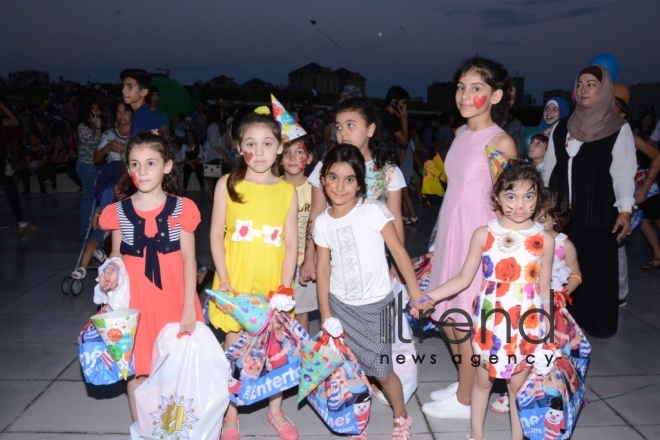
<point>335,198</point>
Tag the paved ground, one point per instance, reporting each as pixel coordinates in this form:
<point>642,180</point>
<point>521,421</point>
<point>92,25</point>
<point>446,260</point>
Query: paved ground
<point>43,396</point>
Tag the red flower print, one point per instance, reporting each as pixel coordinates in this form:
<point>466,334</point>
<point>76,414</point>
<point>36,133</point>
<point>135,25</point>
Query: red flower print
<point>534,245</point>
<point>273,236</point>
<point>243,231</point>
<point>507,270</point>
<point>527,347</point>
<point>502,289</point>
<point>499,316</point>
<point>514,314</point>
<point>531,320</point>
<point>490,239</point>
<point>483,340</point>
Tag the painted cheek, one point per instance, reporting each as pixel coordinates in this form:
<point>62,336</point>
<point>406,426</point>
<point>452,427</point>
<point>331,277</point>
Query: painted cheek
<point>248,155</point>
<point>479,101</point>
<point>303,162</point>
<point>134,178</point>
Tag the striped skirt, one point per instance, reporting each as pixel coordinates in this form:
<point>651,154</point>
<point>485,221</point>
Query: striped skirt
<point>368,333</point>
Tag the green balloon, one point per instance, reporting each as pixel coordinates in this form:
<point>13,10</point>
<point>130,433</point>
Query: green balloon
<point>174,98</point>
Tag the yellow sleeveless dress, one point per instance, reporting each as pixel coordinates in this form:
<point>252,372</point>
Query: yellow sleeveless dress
<point>254,244</point>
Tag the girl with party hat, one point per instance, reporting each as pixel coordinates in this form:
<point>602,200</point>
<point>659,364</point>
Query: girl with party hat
<point>254,239</point>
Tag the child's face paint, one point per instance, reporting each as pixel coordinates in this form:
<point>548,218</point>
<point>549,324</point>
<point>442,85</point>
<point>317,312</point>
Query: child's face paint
<point>295,158</point>
<point>248,156</point>
<point>260,148</point>
<point>479,101</point>
<point>134,178</point>
<point>519,203</point>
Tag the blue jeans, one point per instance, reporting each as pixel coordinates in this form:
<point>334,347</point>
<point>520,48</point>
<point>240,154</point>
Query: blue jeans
<point>87,173</point>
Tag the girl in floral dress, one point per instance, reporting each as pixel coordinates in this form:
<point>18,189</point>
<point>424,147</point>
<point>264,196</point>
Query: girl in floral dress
<point>515,256</point>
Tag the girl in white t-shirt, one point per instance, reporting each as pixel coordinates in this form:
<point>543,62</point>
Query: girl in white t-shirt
<point>353,281</point>
<point>357,124</point>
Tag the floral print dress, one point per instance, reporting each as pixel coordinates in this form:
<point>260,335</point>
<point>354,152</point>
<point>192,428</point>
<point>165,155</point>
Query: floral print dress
<point>511,266</point>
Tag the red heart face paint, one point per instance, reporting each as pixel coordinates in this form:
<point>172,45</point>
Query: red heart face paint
<point>248,155</point>
<point>134,178</point>
<point>479,101</point>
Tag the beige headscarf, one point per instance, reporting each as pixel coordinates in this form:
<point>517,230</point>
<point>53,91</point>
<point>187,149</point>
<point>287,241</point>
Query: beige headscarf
<point>600,119</point>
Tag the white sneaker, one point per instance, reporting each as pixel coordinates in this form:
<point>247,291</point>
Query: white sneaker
<point>441,394</point>
<point>448,408</point>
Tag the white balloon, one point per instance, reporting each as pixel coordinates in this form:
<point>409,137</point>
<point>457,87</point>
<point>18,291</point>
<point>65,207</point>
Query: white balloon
<point>380,34</point>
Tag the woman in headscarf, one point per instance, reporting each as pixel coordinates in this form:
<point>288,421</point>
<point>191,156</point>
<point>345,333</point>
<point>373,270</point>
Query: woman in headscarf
<point>555,109</point>
<point>591,160</point>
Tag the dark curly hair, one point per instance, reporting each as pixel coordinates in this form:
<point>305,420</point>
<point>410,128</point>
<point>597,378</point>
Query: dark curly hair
<point>518,171</point>
<point>496,76</point>
<point>381,144</point>
<point>238,175</point>
<point>556,206</point>
<point>346,153</point>
<point>162,145</point>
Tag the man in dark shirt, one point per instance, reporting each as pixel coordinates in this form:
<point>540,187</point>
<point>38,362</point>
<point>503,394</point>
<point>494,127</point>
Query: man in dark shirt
<point>395,115</point>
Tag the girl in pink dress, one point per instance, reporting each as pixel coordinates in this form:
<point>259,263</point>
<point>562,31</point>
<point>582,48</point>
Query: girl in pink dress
<point>482,92</point>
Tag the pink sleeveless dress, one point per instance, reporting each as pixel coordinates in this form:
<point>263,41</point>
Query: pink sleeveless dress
<point>466,206</point>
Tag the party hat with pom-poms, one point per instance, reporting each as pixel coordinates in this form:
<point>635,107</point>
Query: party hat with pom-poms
<point>290,128</point>
<point>251,310</point>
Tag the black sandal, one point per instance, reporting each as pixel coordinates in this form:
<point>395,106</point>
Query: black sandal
<point>649,264</point>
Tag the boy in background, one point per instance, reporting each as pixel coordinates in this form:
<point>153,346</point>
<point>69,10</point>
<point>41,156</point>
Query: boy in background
<point>135,90</point>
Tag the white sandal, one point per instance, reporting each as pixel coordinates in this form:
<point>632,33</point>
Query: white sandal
<point>79,274</point>
<point>100,255</point>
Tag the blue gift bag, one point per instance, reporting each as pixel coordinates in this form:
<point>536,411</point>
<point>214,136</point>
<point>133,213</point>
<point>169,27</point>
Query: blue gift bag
<point>98,367</point>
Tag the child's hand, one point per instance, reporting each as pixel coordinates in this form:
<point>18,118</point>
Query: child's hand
<point>307,273</point>
<point>226,287</point>
<point>109,278</point>
<point>421,305</point>
<point>188,320</point>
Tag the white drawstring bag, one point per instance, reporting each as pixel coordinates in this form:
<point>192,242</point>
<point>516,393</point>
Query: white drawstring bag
<point>187,394</point>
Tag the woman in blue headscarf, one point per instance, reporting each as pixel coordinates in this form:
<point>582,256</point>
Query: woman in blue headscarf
<point>555,109</point>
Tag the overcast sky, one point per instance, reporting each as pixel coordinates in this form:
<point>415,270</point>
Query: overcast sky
<point>546,41</point>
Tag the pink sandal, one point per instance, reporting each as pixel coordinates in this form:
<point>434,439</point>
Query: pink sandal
<point>231,433</point>
<point>402,432</point>
<point>287,431</point>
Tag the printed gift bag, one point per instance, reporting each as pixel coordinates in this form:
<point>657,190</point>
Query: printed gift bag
<point>640,178</point>
<point>549,405</point>
<point>343,401</point>
<point>268,363</point>
<point>98,367</point>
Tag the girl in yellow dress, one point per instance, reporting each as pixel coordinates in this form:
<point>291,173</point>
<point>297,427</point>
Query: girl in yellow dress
<point>254,239</point>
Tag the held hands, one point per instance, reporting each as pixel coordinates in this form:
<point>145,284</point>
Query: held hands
<point>623,222</point>
<point>109,279</point>
<point>421,305</point>
<point>307,273</point>
<point>116,146</point>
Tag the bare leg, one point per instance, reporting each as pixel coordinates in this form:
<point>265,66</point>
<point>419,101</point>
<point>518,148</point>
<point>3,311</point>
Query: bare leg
<point>466,371</point>
<point>275,407</point>
<point>513,386</point>
<point>407,202</point>
<point>480,394</point>
<point>230,339</point>
<point>130,388</point>
<point>86,257</point>
<point>651,235</point>
<point>303,320</point>
<point>394,392</point>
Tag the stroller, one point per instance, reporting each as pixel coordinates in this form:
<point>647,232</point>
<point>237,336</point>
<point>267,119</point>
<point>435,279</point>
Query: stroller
<point>104,194</point>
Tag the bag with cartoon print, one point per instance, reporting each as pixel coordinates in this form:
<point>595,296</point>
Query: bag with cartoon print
<point>343,400</point>
<point>268,363</point>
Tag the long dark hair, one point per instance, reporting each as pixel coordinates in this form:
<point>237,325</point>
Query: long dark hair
<point>238,175</point>
<point>350,154</point>
<point>162,145</point>
<point>381,145</point>
<point>84,111</point>
<point>496,76</point>
<point>556,206</point>
<point>518,171</point>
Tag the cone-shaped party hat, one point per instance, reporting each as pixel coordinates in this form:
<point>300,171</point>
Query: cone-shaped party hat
<point>290,128</point>
<point>250,310</point>
<point>117,329</point>
<point>317,362</point>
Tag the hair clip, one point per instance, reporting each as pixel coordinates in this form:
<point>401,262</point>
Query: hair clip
<point>156,132</point>
<point>263,110</point>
